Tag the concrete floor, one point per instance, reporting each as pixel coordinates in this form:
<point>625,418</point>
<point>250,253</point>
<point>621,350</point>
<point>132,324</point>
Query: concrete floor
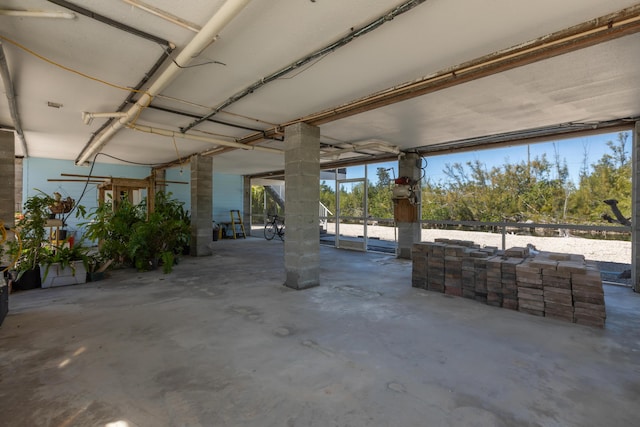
<point>220,342</point>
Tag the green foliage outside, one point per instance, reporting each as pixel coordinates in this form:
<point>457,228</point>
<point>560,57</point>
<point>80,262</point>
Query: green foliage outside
<point>257,205</point>
<point>537,190</point>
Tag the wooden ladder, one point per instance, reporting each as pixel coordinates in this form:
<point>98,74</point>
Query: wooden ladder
<point>237,226</point>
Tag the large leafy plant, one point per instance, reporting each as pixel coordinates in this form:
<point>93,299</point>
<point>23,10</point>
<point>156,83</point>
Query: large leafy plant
<point>66,255</point>
<point>162,236</point>
<point>113,229</point>
<point>129,236</point>
<point>32,248</point>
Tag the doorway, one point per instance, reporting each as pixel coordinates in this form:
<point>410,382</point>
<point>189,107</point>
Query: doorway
<point>351,215</point>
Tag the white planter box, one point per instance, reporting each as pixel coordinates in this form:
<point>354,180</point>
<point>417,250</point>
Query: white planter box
<point>63,276</point>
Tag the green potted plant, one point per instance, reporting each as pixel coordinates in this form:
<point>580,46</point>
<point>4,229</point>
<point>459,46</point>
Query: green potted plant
<point>112,230</point>
<point>162,237</point>
<point>96,265</point>
<point>129,236</point>
<point>65,265</point>
<point>32,248</point>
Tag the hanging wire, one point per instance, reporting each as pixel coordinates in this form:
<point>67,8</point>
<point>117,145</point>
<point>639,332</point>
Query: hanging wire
<point>69,69</point>
<point>173,137</point>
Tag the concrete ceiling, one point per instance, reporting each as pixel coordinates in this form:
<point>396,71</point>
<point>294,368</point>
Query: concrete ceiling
<point>442,51</point>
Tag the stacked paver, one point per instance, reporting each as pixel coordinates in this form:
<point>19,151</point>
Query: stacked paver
<point>435,267</point>
<point>494,281</point>
<point>480,266</point>
<point>510,289</point>
<point>530,288</point>
<point>453,255</point>
<point>561,286</point>
<point>474,274</point>
<point>587,293</point>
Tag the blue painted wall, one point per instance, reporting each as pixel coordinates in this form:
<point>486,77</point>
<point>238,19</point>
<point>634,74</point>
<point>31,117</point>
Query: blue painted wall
<point>181,192</point>
<point>227,189</point>
<point>37,172</point>
<point>227,195</point>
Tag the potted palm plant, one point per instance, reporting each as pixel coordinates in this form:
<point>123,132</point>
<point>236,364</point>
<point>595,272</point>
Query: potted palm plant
<point>32,248</point>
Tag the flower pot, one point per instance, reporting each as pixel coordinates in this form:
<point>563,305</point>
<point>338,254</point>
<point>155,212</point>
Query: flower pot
<point>4,301</point>
<point>30,279</point>
<point>58,276</point>
<point>94,276</point>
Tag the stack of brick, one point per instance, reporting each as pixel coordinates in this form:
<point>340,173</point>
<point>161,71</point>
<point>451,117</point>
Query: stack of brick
<point>494,281</point>
<point>555,285</point>
<point>480,280</point>
<point>517,252</point>
<point>419,271</point>
<point>558,301</point>
<point>513,258</point>
<point>530,288</point>
<point>480,263</point>
<point>435,267</point>
<point>468,274</point>
<point>588,296</point>
<point>473,272</point>
<point>453,255</point>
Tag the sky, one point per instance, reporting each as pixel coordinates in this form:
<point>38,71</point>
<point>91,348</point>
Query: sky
<point>572,150</point>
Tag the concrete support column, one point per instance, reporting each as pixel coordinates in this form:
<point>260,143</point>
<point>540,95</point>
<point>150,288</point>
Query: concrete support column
<point>302,179</point>
<point>7,177</point>
<point>18,183</point>
<point>246,204</point>
<point>409,233</point>
<point>635,208</point>
<point>201,205</point>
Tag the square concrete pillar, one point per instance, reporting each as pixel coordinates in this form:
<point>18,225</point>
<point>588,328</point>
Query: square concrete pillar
<point>19,164</point>
<point>409,233</point>
<point>7,177</point>
<point>302,181</point>
<point>246,204</point>
<point>635,208</point>
<point>201,205</point>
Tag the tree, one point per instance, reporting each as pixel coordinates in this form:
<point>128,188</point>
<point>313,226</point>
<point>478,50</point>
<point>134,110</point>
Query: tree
<point>380,203</point>
<point>610,178</point>
<point>383,177</point>
<point>328,196</point>
<point>620,155</point>
<point>513,192</point>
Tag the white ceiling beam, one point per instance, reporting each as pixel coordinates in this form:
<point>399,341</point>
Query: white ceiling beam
<point>201,41</point>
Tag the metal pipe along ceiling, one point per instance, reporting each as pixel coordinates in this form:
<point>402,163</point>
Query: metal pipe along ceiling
<point>589,33</point>
<point>202,40</point>
<point>399,10</point>
<point>166,45</point>
<point>173,134</point>
<point>11,98</point>
<point>108,21</point>
<point>37,14</point>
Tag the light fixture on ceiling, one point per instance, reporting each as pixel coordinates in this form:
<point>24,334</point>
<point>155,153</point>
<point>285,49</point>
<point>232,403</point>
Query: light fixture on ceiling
<point>54,104</point>
<point>87,118</point>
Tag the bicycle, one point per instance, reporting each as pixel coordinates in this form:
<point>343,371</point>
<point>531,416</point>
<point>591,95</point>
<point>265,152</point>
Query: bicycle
<point>273,227</point>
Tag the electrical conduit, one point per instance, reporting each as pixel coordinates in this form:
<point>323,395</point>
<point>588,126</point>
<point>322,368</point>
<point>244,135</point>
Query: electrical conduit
<point>201,41</point>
